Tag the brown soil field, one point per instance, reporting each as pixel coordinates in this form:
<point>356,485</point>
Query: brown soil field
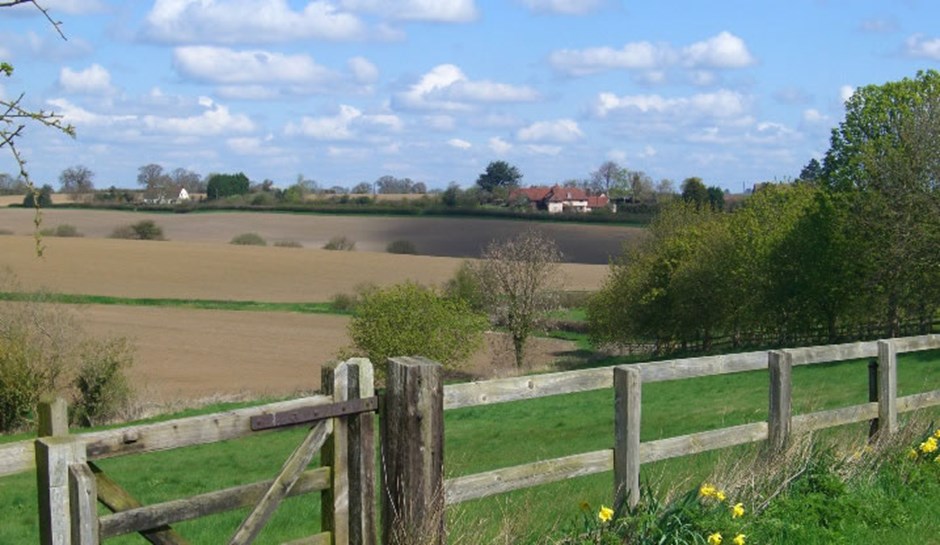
<point>450,237</point>
<point>190,355</point>
<point>131,268</point>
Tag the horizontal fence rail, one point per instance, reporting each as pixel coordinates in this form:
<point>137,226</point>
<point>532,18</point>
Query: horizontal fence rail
<point>481,485</point>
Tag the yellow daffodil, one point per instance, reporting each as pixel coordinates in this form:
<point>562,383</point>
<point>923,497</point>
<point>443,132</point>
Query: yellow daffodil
<point>738,539</point>
<point>737,510</point>
<point>605,514</point>
<point>714,539</point>
<point>937,459</point>
<point>707,490</point>
<point>911,454</point>
<point>720,495</point>
<point>929,445</point>
<point>937,434</point>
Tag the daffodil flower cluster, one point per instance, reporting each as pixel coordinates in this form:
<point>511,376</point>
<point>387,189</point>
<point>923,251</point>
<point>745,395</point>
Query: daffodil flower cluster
<point>927,449</point>
<point>708,492</point>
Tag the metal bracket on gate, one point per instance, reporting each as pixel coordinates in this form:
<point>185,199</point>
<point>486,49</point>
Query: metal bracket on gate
<point>312,414</point>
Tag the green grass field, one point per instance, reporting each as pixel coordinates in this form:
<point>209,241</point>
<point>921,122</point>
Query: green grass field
<point>483,438</point>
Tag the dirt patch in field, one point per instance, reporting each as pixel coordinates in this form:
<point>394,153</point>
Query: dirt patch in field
<point>127,268</point>
<point>187,355</point>
<point>448,237</point>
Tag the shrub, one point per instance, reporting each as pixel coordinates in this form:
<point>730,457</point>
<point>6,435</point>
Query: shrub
<point>102,391</point>
<point>249,239</point>
<point>6,231</point>
<point>465,286</point>
<point>288,244</point>
<point>401,247</point>
<point>340,243</point>
<point>63,230</point>
<point>411,320</point>
<point>142,230</point>
<point>42,196</point>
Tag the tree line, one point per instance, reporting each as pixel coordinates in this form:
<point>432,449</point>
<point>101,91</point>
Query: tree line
<point>850,251</point>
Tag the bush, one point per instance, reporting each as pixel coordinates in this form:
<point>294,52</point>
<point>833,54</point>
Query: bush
<point>401,247</point>
<point>6,231</point>
<point>465,287</point>
<point>340,243</point>
<point>249,239</point>
<point>142,230</point>
<point>412,320</point>
<point>288,244</point>
<point>64,230</point>
<point>44,195</point>
<point>102,391</point>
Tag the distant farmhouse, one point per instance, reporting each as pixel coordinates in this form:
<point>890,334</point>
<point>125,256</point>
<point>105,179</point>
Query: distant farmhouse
<point>557,199</point>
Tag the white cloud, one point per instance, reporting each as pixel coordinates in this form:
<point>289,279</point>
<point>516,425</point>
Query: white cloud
<point>440,122</point>
<point>250,145</point>
<point>363,70</point>
<point>846,92</point>
<point>879,25</point>
<point>542,149</point>
<point>215,120</point>
<point>94,80</point>
<point>499,146</point>
<point>569,7</point>
<point>560,130</point>
<point>722,51</point>
<point>226,66</point>
<point>632,56</point>
<point>920,47</point>
<point>343,125</point>
<point>720,104</point>
<point>812,115</point>
<point>459,144</point>
<point>441,11</point>
<point>239,21</point>
<point>648,151</point>
<point>80,117</point>
<point>446,87</point>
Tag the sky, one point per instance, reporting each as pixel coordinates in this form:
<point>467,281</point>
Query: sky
<point>344,91</point>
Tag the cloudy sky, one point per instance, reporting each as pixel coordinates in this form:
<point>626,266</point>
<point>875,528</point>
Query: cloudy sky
<point>344,91</point>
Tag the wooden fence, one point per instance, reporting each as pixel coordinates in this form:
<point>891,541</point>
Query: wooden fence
<point>414,491</point>
<point>70,485</point>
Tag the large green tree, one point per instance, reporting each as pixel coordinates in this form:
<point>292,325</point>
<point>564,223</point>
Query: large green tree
<point>227,185</point>
<point>498,176</point>
<point>885,162</point>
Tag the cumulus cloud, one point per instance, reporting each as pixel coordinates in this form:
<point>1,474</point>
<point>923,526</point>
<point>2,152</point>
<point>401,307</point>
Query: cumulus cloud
<point>921,47</point>
<point>440,11</point>
<point>446,87</point>
<point>879,25</point>
<point>363,70</point>
<point>459,144</point>
<point>343,125</point>
<point>812,115</point>
<point>221,65</point>
<point>568,7</point>
<point>499,146</point>
<point>720,104</point>
<point>723,51</point>
<point>80,117</point>
<point>215,120</point>
<point>239,21</point>
<point>94,80</point>
<point>846,92</point>
<point>560,130</point>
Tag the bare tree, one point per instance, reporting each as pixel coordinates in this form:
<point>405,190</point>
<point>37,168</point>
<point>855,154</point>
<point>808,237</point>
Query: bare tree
<point>76,180</point>
<point>519,281</point>
<point>608,175</point>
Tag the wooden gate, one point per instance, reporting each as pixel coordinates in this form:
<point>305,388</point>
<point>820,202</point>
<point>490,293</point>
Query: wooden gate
<point>71,485</point>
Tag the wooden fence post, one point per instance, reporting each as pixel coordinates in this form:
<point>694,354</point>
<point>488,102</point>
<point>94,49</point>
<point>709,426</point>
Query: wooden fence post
<point>627,397</point>
<point>887,387</point>
<point>361,457</point>
<point>57,455</point>
<point>780,416</point>
<point>872,394</point>
<point>412,426</point>
<point>335,500</point>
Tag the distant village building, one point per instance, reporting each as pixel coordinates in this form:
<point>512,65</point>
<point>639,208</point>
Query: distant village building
<point>557,199</point>
<point>183,196</point>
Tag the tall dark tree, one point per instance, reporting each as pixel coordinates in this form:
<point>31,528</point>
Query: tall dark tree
<point>76,179</point>
<point>227,185</point>
<point>694,191</point>
<point>812,171</point>
<point>499,175</point>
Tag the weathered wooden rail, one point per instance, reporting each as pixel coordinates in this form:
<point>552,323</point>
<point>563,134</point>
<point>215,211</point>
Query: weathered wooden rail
<point>70,485</point>
<point>628,453</point>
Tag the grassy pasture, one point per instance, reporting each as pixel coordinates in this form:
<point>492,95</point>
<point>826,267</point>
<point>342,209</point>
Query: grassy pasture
<point>482,438</point>
<point>448,237</point>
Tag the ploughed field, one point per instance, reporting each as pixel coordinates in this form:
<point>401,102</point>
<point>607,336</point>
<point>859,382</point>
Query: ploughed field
<point>186,354</point>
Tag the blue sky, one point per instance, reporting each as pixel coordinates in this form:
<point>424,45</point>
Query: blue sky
<point>345,91</point>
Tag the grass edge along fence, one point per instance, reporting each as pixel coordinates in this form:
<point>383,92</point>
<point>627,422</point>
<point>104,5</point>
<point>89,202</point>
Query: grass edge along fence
<point>70,485</point>
<point>415,492</point>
